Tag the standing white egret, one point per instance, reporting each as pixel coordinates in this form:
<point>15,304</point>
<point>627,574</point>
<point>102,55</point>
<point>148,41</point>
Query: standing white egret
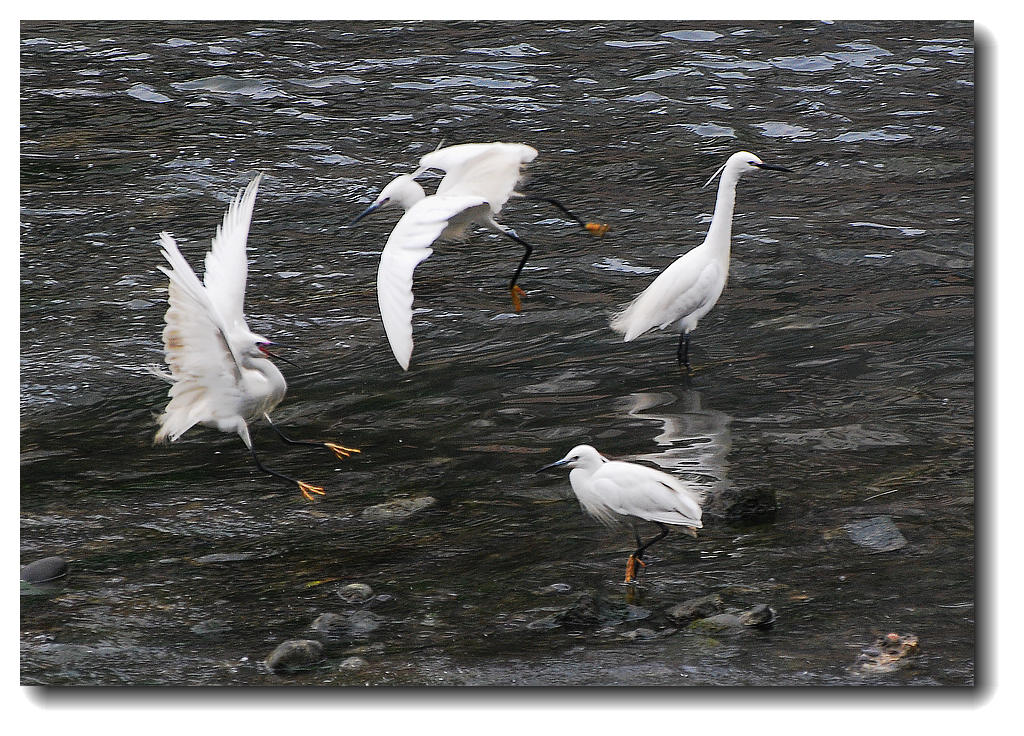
<point>610,490</point>
<point>688,289</point>
<point>221,375</point>
<point>479,179</point>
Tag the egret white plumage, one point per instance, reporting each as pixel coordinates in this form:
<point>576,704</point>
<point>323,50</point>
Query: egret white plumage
<point>612,490</point>
<point>221,374</point>
<point>687,290</point>
<point>479,179</point>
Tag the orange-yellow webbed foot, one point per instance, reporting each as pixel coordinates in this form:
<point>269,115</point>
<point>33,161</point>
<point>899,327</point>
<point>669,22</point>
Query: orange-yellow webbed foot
<point>339,450</point>
<point>597,228</point>
<point>517,297</point>
<point>631,570</point>
<point>308,489</point>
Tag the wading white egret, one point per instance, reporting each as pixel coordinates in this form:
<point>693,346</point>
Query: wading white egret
<point>221,374</point>
<point>479,179</point>
<point>688,289</point>
<point>613,490</point>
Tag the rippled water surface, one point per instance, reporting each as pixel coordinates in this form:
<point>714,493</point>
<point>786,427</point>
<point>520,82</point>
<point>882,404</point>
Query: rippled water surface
<point>835,376</point>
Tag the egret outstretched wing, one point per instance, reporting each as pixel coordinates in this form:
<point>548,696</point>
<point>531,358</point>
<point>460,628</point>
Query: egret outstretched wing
<point>226,262</point>
<point>407,247</point>
<point>489,170</point>
<point>196,348</point>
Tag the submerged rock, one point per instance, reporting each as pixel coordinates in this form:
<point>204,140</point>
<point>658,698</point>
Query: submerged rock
<point>355,593</point>
<point>760,616</point>
<point>695,608</point>
<point>398,509</point>
<point>44,570</point>
<point>356,624</point>
<point>295,654</point>
<point>878,533</point>
<point>746,505</point>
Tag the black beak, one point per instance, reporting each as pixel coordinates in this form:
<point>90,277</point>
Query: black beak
<point>276,356</point>
<point>372,208</point>
<point>555,464</point>
<point>773,167</point>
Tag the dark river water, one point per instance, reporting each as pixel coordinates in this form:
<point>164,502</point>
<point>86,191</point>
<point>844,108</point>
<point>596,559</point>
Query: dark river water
<point>834,379</point>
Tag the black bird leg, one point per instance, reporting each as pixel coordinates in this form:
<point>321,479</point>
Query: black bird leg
<point>307,489</point>
<point>339,450</point>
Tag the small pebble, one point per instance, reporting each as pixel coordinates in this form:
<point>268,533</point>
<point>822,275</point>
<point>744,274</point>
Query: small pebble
<point>352,663</point>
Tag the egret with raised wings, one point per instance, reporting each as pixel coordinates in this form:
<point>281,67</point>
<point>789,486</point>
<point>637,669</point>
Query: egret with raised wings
<point>613,490</point>
<point>479,179</point>
<point>221,374</point>
<point>687,290</point>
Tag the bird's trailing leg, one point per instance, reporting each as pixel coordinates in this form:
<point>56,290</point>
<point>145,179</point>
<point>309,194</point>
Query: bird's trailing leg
<point>683,351</point>
<point>307,489</point>
<point>517,291</point>
<point>637,557</point>
<point>339,450</point>
<point>598,229</point>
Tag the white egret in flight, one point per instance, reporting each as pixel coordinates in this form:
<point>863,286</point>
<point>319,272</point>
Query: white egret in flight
<point>221,374</point>
<point>479,179</point>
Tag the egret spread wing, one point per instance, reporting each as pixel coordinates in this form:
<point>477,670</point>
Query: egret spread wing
<point>636,490</point>
<point>204,371</point>
<point>490,170</point>
<point>407,247</point>
<point>227,264</point>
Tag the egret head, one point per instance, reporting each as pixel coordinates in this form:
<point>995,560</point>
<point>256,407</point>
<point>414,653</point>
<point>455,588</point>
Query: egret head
<point>403,191</point>
<point>581,456</point>
<point>742,162</point>
<point>260,348</point>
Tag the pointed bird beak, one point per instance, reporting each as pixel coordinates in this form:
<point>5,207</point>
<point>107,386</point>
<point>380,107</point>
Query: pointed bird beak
<point>555,464</point>
<point>773,167</point>
<point>372,208</point>
<point>265,351</point>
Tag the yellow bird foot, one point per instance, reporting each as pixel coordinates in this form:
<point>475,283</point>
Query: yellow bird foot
<point>631,570</point>
<point>308,489</point>
<point>597,228</point>
<point>340,451</point>
<point>517,297</point>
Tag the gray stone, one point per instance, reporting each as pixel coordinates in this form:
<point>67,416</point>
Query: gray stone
<point>44,570</point>
<point>356,624</point>
<point>355,593</point>
<point>295,654</point>
<point>352,663</point>
<point>398,509</point>
<point>211,626</point>
<point>760,616</point>
<point>695,608</point>
<point>878,533</point>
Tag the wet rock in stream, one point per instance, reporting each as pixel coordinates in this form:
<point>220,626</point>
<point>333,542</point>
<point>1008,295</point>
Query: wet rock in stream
<point>352,625</point>
<point>878,534</point>
<point>398,509</point>
<point>294,654</point>
<point>355,593</point>
<point>695,608</point>
<point>44,570</point>
<point>761,616</point>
